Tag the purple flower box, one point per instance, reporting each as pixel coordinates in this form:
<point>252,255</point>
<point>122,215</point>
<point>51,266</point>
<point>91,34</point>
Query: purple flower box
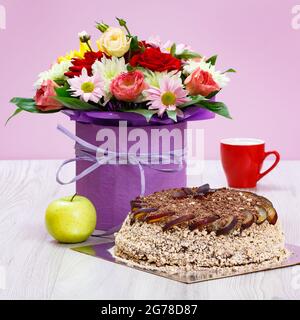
<point>111,186</point>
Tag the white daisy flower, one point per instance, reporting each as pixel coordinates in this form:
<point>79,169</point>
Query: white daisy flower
<point>180,47</point>
<point>86,87</point>
<point>155,41</point>
<point>167,96</point>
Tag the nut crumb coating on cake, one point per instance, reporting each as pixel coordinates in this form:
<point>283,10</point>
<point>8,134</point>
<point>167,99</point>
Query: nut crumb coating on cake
<point>184,229</point>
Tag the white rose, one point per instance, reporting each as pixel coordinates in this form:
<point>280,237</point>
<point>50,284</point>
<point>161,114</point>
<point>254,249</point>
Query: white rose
<point>114,42</point>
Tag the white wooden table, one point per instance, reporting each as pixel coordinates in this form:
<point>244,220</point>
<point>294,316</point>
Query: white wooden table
<point>36,267</point>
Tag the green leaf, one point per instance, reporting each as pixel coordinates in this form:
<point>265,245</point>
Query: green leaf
<point>217,107</point>
<point>229,70</point>
<point>193,100</point>
<point>186,54</point>
<point>212,60</point>
<point>61,82</point>
<point>63,91</point>
<point>18,100</point>
<point>74,103</point>
<point>144,112</point>
<point>173,49</point>
<point>130,68</point>
<point>17,111</point>
<point>25,104</point>
<point>29,105</point>
<point>134,44</point>
<point>211,95</point>
<point>172,114</point>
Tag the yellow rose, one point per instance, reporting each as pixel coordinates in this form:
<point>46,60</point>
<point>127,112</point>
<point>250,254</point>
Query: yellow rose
<point>114,42</point>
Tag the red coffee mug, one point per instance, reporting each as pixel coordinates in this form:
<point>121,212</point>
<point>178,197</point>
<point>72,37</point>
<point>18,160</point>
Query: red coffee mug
<point>242,160</point>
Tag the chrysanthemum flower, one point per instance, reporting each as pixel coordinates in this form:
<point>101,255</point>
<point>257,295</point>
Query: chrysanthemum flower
<point>74,53</point>
<point>88,88</point>
<point>109,69</point>
<point>168,96</point>
<point>56,72</point>
<point>153,78</point>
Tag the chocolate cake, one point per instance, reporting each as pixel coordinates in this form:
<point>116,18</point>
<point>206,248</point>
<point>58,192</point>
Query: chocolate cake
<point>194,228</point>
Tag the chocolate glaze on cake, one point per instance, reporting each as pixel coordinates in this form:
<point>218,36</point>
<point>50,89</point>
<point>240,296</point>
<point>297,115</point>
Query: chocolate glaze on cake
<point>220,210</point>
<point>189,229</point>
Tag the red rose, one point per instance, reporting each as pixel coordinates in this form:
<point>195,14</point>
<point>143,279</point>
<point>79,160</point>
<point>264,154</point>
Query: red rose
<point>142,45</point>
<point>87,62</point>
<point>155,60</point>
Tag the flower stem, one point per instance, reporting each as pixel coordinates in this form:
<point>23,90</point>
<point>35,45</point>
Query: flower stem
<point>87,43</point>
<point>126,28</point>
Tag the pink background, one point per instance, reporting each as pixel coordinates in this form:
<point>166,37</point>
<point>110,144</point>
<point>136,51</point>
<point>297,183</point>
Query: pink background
<point>254,37</point>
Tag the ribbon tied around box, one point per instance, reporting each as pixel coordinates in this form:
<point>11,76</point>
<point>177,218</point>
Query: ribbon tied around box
<point>85,151</point>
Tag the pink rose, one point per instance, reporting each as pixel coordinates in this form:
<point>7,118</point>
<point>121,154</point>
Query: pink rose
<point>44,97</point>
<point>128,86</point>
<point>200,82</point>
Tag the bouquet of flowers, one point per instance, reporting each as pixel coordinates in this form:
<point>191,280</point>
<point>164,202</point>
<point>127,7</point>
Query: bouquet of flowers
<point>126,74</point>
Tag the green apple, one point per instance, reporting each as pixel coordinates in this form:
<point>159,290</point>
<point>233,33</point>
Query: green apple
<point>71,219</point>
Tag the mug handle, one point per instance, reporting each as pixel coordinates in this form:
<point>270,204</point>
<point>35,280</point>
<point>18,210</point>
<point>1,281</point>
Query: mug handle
<point>277,159</point>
